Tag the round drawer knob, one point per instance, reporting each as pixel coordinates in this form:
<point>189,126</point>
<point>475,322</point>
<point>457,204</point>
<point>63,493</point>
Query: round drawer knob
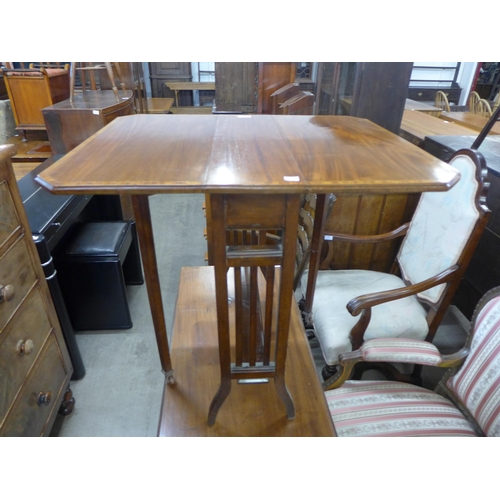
<point>25,347</point>
<point>44,398</point>
<point>6,293</point>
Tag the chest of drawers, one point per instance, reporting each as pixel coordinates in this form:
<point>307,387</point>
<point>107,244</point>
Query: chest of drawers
<point>35,366</point>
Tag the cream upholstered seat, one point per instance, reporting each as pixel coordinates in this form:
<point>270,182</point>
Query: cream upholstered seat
<point>433,256</point>
<point>466,401</point>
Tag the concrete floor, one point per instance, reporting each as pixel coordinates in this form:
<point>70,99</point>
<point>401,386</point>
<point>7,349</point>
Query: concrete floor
<point>121,392</point>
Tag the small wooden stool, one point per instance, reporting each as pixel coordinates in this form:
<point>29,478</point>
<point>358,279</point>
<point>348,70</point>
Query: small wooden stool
<point>96,265</point>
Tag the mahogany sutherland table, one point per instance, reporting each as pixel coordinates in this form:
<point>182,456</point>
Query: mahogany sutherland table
<point>254,169</point>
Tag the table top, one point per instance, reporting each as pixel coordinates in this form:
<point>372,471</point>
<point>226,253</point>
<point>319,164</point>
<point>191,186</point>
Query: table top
<point>420,125</point>
<point>470,120</point>
<point>190,85</point>
<point>93,100</point>
<point>264,154</point>
<point>412,105</point>
<point>250,409</point>
<point>159,104</point>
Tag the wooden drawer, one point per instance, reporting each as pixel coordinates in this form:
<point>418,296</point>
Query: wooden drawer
<point>9,221</point>
<point>29,416</point>
<point>20,344</point>
<point>16,269</point>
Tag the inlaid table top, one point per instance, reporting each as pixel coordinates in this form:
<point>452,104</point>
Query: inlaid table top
<point>147,154</point>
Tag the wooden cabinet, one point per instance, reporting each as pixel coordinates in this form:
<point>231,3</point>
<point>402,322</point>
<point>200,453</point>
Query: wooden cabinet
<point>162,72</point>
<point>236,86</point>
<point>35,367</point>
<point>70,123</point>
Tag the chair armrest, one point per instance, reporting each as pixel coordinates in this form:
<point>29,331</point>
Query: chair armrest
<point>400,350</point>
<point>394,350</point>
<point>356,305</point>
<point>376,238</point>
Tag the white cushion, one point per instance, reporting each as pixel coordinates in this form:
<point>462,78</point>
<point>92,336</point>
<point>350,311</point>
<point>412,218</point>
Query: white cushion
<point>333,322</point>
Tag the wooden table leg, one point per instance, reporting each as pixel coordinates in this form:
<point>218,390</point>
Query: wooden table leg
<point>142,216</point>
<point>320,215</point>
<point>220,267</point>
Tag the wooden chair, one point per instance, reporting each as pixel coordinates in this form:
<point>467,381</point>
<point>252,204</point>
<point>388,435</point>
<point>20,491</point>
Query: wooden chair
<point>131,75</point>
<point>438,245</point>
<point>473,100</point>
<point>483,108</point>
<point>90,69</point>
<point>466,402</point>
<point>31,90</point>
<point>441,101</point>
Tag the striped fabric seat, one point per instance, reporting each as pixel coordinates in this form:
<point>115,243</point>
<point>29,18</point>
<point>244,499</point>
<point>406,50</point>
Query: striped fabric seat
<point>393,409</point>
<point>477,384</point>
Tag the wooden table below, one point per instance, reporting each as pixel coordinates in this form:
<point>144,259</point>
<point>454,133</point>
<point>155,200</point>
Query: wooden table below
<point>412,105</point>
<point>470,120</point>
<point>159,105</point>
<point>250,409</point>
<point>416,126</point>
<point>176,86</point>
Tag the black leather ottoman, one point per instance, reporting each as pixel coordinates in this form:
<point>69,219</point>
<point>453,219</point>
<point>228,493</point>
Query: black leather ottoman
<point>94,269</point>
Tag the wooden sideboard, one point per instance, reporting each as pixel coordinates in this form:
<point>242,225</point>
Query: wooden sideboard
<point>35,366</point>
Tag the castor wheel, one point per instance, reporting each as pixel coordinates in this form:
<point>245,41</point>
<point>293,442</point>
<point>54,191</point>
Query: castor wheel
<point>310,333</point>
<point>328,371</point>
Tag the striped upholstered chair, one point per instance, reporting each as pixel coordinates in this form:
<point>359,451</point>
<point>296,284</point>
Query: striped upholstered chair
<point>466,401</point>
<point>355,305</point>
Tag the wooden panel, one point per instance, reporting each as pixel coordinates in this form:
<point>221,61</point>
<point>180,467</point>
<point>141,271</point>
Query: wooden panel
<point>9,222</point>
<point>380,92</point>
<point>273,76</point>
<point>235,86</point>
<point>367,215</point>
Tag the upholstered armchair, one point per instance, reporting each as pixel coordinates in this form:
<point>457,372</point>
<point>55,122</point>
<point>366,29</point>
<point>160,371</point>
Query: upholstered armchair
<point>466,402</point>
<point>353,306</point>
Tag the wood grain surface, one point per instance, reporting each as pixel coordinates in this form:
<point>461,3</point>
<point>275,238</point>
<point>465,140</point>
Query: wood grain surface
<point>146,154</point>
